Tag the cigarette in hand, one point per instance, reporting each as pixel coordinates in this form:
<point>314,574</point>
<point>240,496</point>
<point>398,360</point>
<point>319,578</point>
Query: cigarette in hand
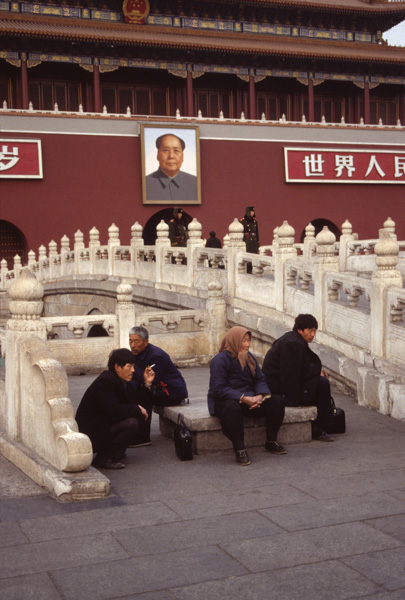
<point>151,366</point>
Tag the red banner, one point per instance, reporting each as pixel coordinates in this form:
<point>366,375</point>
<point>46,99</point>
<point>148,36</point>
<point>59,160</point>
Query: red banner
<point>326,165</point>
<point>20,159</point>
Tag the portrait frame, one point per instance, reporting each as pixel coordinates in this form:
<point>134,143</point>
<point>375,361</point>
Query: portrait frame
<point>191,193</point>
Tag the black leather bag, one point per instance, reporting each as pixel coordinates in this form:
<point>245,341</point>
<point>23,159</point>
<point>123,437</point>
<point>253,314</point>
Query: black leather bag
<point>182,440</point>
<point>338,421</point>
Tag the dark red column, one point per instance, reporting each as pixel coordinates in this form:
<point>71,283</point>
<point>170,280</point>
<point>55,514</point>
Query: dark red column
<point>252,97</point>
<point>311,108</point>
<point>366,102</point>
<point>24,83</point>
<point>96,89</point>
<point>190,99</point>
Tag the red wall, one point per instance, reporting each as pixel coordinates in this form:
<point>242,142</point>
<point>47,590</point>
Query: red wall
<point>96,180</point>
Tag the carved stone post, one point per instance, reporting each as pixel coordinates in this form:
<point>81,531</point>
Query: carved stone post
<point>309,242</point>
<point>94,245</point>
<point>53,253</point>
<point>194,241</point>
<point>64,254</point>
<point>162,244</point>
<point>346,237</point>
<point>235,245</point>
<point>113,242</point>
<point>284,250</point>
<point>386,275</point>
<point>125,313</point>
<point>3,272</point>
<point>26,307</point>
<point>79,249</point>
<point>325,261</point>
<point>136,243</point>
<point>216,308</point>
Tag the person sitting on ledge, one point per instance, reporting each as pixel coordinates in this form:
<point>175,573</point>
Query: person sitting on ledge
<point>295,372</point>
<point>238,389</point>
<point>169,387</point>
<point>111,412</point>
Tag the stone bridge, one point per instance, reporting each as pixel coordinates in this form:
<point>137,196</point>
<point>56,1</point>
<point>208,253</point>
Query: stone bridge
<point>71,306</point>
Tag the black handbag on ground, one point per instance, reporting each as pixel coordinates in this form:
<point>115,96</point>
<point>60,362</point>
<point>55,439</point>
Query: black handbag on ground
<point>338,421</point>
<point>182,440</point>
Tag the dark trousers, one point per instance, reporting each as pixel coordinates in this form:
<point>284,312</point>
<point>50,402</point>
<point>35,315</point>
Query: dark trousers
<point>231,414</point>
<point>119,438</point>
<point>322,402</point>
<point>159,398</point>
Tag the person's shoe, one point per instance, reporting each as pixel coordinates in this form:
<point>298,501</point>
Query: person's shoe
<point>242,457</point>
<point>322,436</point>
<point>107,463</point>
<point>139,441</point>
<point>275,448</point>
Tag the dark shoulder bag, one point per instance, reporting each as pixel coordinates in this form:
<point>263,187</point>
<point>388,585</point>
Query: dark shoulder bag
<point>182,439</point>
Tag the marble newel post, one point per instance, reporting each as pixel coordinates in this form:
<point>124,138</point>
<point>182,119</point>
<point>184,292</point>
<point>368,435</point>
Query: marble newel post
<point>125,312</point>
<point>235,245</point>
<point>284,250</point>
<point>326,260</point>
<point>40,434</point>
<point>386,275</point>
<point>216,308</point>
<point>162,244</point>
<point>194,241</point>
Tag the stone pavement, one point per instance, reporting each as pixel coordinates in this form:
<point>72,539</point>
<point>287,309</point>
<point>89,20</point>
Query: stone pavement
<point>325,521</point>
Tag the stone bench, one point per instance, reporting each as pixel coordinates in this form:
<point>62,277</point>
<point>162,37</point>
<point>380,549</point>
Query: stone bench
<point>206,431</point>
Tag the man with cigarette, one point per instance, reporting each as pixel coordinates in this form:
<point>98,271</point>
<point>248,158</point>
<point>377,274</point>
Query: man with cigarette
<point>168,388</point>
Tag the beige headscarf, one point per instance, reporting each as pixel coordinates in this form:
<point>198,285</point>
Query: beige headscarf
<point>232,342</point>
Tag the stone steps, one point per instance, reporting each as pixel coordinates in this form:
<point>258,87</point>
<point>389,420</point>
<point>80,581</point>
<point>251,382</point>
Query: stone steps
<point>206,430</point>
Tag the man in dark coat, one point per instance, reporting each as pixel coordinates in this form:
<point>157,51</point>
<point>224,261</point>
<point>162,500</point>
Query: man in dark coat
<point>168,388</point>
<point>111,411</point>
<point>250,230</point>
<point>177,229</point>
<point>295,372</point>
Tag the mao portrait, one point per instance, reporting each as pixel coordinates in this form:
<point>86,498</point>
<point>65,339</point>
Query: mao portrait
<point>170,165</point>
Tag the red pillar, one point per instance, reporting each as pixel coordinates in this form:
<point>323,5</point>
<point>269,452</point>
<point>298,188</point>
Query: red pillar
<point>96,89</point>
<point>190,99</point>
<point>311,108</point>
<point>366,103</point>
<point>24,83</point>
<point>252,98</point>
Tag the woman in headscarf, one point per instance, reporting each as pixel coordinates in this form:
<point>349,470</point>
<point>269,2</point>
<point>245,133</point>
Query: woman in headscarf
<point>238,389</point>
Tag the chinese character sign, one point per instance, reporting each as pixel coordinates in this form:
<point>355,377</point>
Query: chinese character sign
<point>20,159</point>
<point>326,165</point>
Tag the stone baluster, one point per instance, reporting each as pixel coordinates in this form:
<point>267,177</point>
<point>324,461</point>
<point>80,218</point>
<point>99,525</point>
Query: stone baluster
<point>79,251</point>
<point>216,309</point>
<point>194,241</point>
<point>17,265</point>
<point>26,306</point>
<point>94,245</point>
<point>162,245</point>
<point>42,258</point>
<point>284,250</point>
<point>386,275</point>
<point>235,245</point>
<point>225,241</point>
<point>346,237</point>
<point>325,261</point>
<point>309,242</point>
<point>64,254</point>
<point>137,242</point>
<point>125,313</point>
<point>53,255</point>
<point>388,227</point>
<point>3,272</point>
<point>113,242</point>
<point>31,260</point>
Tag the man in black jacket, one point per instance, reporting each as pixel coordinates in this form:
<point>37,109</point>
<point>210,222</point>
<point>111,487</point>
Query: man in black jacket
<point>111,412</point>
<point>293,371</point>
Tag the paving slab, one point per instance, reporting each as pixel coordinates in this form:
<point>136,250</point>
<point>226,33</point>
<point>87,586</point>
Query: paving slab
<point>323,521</point>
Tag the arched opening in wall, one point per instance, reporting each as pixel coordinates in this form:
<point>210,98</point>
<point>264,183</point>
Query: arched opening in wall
<point>97,331</point>
<point>12,242</point>
<point>149,231</point>
<point>319,225</point>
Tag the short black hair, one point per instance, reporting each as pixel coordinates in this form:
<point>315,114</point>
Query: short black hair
<point>120,357</point>
<point>305,321</point>
<point>160,138</point>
